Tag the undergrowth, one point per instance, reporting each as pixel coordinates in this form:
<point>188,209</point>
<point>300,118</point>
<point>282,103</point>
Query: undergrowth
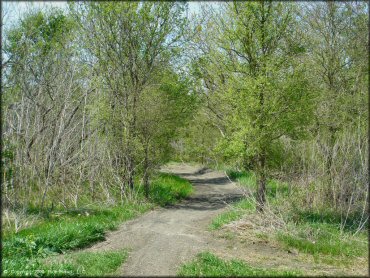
<point>23,252</point>
<point>207,264</point>
<point>235,212</point>
<point>320,233</point>
<point>96,263</point>
<point>167,189</point>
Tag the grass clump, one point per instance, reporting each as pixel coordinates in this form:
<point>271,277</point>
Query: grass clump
<point>236,211</point>
<point>97,263</point>
<point>207,264</point>
<point>167,189</point>
<point>324,239</point>
<point>23,251</point>
<point>70,232</point>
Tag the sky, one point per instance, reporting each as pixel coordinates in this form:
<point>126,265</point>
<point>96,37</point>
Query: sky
<point>13,10</point>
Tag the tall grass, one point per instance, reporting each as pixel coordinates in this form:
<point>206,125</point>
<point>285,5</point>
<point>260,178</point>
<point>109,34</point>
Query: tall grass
<point>330,173</point>
<point>319,232</point>
<point>167,189</point>
<point>65,230</point>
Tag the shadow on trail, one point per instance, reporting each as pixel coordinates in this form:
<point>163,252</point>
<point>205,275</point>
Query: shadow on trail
<point>213,181</point>
<point>201,171</point>
<point>207,202</point>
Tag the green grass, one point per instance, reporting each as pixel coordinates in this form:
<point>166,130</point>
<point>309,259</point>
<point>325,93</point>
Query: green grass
<point>236,211</point>
<point>62,231</point>
<point>324,239</point>
<point>326,216</point>
<point>23,266</point>
<point>78,264</point>
<point>313,232</point>
<point>70,232</point>
<point>22,251</point>
<point>248,179</point>
<point>207,264</point>
<point>97,263</point>
<point>167,189</point>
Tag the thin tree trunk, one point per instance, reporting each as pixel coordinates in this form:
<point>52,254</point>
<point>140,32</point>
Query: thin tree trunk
<point>261,191</point>
<point>146,176</point>
<point>131,173</point>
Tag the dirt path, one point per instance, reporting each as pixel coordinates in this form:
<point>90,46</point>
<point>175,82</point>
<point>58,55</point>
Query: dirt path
<point>163,239</point>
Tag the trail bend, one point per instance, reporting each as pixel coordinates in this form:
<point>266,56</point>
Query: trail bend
<point>163,239</point>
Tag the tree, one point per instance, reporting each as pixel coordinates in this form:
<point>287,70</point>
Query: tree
<point>43,98</point>
<point>337,68</point>
<point>129,45</point>
<point>261,82</point>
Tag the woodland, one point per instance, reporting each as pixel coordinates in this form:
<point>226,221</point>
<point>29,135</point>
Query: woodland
<point>97,97</point>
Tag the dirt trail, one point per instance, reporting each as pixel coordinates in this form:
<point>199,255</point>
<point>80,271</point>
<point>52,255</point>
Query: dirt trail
<point>163,239</point>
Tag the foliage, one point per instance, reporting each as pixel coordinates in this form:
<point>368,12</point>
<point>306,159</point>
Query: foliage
<point>98,97</point>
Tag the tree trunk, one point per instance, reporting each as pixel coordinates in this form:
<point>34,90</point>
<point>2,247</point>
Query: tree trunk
<point>261,191</point>
<point>146,176</point>
<point>146,184</point>
<point>131,173</point>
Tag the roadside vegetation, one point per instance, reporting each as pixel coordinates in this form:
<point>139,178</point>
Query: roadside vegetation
<point>318,233</point>
<point>168,189</point>
<point>208,265</point>
<point>96,263</point>
<point>58,232</point>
